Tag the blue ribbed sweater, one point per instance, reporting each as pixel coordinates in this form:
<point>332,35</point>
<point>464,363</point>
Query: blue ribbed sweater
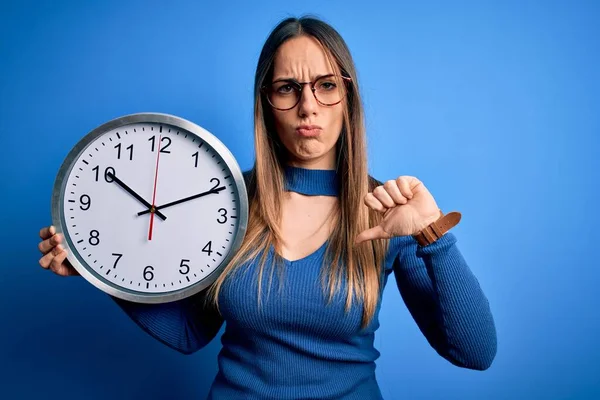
<point>297,347</point>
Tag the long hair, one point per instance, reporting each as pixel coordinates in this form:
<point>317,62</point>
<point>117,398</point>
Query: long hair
<point>360,265</point>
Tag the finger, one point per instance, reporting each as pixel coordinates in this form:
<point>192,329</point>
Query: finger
<point>47,231</point>
<point>46,260</point>
<point>407,184</point>
<point>382,195</point>
<point>48,244</point>
<point>392,188</point>
<point>371,234</point>
<point>372,202</point>
<point>65,268</point>
<point>57,265</point>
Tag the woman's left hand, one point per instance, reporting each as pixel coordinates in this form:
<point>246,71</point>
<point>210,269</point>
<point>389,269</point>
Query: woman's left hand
<point>407,208</point>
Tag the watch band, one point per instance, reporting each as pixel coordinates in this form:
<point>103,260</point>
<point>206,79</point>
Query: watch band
<point>438,228</point>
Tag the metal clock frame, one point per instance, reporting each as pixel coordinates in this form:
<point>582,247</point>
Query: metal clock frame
<point>58,197</point>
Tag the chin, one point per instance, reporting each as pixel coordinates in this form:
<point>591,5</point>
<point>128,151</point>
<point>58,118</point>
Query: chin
<point>311,157</point>
<point>307,158</point>
<point>309,151</point>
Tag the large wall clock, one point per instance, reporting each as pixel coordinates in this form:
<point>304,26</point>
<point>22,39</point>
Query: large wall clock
<point>151,206</point>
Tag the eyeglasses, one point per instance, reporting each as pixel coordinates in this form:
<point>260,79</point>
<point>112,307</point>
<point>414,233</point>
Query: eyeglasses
<point>285,94</point>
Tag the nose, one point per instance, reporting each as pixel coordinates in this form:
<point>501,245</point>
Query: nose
<point>307,104</point>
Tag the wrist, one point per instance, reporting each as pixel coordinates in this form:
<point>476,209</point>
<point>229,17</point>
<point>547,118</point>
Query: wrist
<point>427,222</point>
<point>437,228</point>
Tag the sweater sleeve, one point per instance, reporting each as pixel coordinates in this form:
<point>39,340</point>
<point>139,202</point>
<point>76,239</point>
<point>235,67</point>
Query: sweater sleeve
<point>185,325</point>
<point>446,301</point>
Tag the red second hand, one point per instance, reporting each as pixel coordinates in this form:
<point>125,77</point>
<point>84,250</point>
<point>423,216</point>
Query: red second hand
<point>154,194</point>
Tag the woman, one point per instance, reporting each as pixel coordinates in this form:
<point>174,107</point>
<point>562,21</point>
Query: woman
<point>325,236</point>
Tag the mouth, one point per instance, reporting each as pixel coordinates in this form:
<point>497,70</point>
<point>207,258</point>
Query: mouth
<point>308,130</point>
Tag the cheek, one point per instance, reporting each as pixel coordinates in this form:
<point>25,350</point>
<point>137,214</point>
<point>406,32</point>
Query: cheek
<point>284,131</point>
<point>335,123</point>
<point>284,121</point>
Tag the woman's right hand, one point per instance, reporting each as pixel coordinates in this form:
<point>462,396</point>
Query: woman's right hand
<point>54,255</point>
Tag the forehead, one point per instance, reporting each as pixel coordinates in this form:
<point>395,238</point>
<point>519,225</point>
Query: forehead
<point>302,58</point>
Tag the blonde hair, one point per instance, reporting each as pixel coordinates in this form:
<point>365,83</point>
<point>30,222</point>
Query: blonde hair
<point>362,265</point>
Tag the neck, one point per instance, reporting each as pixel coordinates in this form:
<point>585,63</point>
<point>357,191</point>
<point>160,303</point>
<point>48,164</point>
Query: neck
<point>312,181</point>
<point>327,161</point>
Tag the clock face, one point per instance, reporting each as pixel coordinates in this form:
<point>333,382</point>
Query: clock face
<point>151,207</point>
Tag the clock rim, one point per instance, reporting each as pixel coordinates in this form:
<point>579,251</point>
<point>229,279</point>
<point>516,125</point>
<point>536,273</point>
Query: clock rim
<point>59,222</point>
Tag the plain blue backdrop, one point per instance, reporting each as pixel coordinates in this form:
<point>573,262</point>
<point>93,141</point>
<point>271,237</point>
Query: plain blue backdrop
<point>493,105</point>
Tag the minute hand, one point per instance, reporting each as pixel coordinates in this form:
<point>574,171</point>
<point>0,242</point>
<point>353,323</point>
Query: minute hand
<point>134,194</point>
<point>211,191</point>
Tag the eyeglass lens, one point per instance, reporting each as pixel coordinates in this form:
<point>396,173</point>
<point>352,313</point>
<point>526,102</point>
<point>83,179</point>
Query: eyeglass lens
<point>285,94</point>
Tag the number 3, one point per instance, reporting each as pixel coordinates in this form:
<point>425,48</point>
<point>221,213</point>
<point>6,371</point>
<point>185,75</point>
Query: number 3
<point>223,214</point>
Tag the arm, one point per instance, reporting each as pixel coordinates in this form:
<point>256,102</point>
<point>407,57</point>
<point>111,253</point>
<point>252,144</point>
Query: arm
<point>185,325</point>
<point>446,301</point>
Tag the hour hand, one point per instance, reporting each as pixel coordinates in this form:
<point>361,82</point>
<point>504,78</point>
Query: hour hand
<point>211,191</point>
<point>137,196</point>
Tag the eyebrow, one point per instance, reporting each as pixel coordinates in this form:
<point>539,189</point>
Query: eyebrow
<point>295,80</point>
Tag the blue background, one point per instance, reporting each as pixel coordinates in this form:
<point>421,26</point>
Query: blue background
<point>493,105</point>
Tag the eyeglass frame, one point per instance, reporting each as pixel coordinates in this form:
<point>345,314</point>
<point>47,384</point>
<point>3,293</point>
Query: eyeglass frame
<point>264,89</point>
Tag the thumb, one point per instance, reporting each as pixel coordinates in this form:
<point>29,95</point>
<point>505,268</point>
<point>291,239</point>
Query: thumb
<point>371,234</point>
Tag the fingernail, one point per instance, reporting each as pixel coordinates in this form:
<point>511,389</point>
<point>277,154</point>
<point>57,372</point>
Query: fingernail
<point>52,230</point>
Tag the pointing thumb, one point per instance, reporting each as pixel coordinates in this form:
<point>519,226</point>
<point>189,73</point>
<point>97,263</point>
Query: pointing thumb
<point>371,234</point>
